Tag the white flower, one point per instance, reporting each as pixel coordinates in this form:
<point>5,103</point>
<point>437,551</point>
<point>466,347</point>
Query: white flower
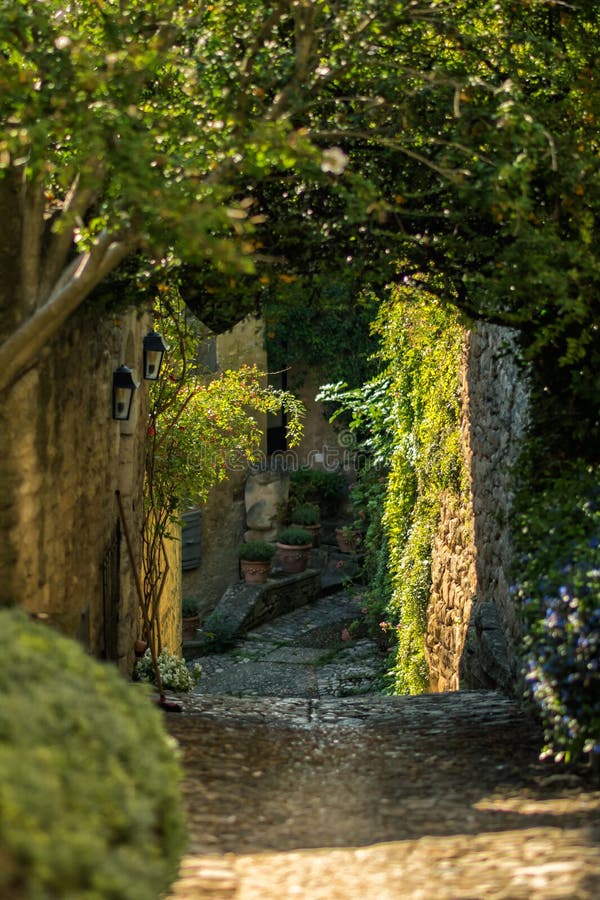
<point>334,160</point>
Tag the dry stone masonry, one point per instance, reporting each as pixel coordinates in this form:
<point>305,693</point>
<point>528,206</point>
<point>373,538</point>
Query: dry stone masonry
<point>472,625</point>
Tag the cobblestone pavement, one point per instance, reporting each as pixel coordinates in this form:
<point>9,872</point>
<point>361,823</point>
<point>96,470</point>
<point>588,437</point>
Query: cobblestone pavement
<point>300,654</point>
<point>310,789</point>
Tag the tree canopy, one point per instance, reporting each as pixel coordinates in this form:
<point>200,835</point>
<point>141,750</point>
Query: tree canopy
<point>369,140</point>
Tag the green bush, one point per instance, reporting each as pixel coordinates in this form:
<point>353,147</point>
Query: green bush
<point>306,514</point>
<point>256,551</point>
<point>295,537</point>
<point>189,607</point>
<point>317,486</point>
<point>89,781</point>
<point>557,587</point>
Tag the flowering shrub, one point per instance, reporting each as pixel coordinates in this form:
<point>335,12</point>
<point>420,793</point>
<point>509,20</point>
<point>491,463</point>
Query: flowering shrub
<point>174,672</point>
<point>559,592</point>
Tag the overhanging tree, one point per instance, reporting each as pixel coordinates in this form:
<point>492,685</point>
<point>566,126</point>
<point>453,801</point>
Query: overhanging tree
<point>459,138</point>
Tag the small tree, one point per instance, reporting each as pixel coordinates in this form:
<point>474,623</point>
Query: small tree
<point>200,429</point>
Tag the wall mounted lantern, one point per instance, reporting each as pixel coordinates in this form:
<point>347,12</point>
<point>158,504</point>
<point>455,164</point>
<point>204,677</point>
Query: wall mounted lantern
<point>123,388</point>
<point>154,350</point>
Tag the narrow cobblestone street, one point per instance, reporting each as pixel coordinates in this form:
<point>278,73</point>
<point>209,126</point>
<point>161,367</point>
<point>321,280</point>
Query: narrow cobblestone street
<point>302,781</point>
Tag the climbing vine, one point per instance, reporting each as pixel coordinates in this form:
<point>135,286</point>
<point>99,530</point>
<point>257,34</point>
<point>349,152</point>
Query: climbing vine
<point>323,325</point>
<point>406,426</point>
<point>422,342</point>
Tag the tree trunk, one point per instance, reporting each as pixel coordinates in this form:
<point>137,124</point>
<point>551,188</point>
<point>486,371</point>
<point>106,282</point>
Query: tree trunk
<point>10,305</point>
<point>10,251</point>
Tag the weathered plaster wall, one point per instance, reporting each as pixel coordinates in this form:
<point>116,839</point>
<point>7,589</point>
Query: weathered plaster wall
<point>473,627</point>
<point>320,446</point>
<point>170,604</point>
<point>63,458</point>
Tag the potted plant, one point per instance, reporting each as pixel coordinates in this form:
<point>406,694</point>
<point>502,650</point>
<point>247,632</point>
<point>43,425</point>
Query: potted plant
<point>308,516</point>
<point>190,618</point>
<point>348,538</point>
<point>255,560</point>
<point>294,545</point>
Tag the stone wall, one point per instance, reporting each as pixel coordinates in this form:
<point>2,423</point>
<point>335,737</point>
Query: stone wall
<point>473,627</point>
<point>63,458</point>
<point>453,587</point>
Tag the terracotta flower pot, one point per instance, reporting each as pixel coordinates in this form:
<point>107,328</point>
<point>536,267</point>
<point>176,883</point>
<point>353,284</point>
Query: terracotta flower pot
<point>140,647</point>
<point>348,541</point>
<point>255,571</point>
<point>293,558</point>
<point>189,627</point>
<point>315,531</point>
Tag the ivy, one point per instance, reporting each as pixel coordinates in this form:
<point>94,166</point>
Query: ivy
<point>315,324</point>
<point>406,427</point>
<point>422,342</point>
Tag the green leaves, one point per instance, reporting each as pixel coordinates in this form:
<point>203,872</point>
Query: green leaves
<point>201,427</point>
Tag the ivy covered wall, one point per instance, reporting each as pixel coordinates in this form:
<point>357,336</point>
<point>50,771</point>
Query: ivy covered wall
<point>422,343</point>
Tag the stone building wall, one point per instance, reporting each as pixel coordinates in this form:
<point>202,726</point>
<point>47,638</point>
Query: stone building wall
<point>63,459</point>
<point>473,627</point>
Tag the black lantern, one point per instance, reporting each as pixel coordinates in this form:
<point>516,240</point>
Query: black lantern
<point>123,388</point>
<point>154,350</point>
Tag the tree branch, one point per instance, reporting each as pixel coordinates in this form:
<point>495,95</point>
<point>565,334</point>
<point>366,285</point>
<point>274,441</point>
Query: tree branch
<point>77,202</point>
<point>23,346</point>
<point>374,138</point>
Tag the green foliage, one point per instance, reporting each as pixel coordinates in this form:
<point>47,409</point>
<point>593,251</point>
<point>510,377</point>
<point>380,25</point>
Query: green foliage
<point>321,325</point>
<point>219,633</point>
<point>423,343</point>
<point>368,496</point>
<point>405,422</point>
<point>306,514</point>
<point>324,148</point>
<point>366,411</point>
<point>295,536</point>
<point>200,429</point>
<point>317,486</point>
<point>89,788</point>
<point>174,673</point>
<point>557,572</point>
<point>256,551</point>
<point>189,607</point>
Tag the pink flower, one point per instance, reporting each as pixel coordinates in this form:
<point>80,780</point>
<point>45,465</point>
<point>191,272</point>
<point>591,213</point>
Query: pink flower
<point>346,635</point>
